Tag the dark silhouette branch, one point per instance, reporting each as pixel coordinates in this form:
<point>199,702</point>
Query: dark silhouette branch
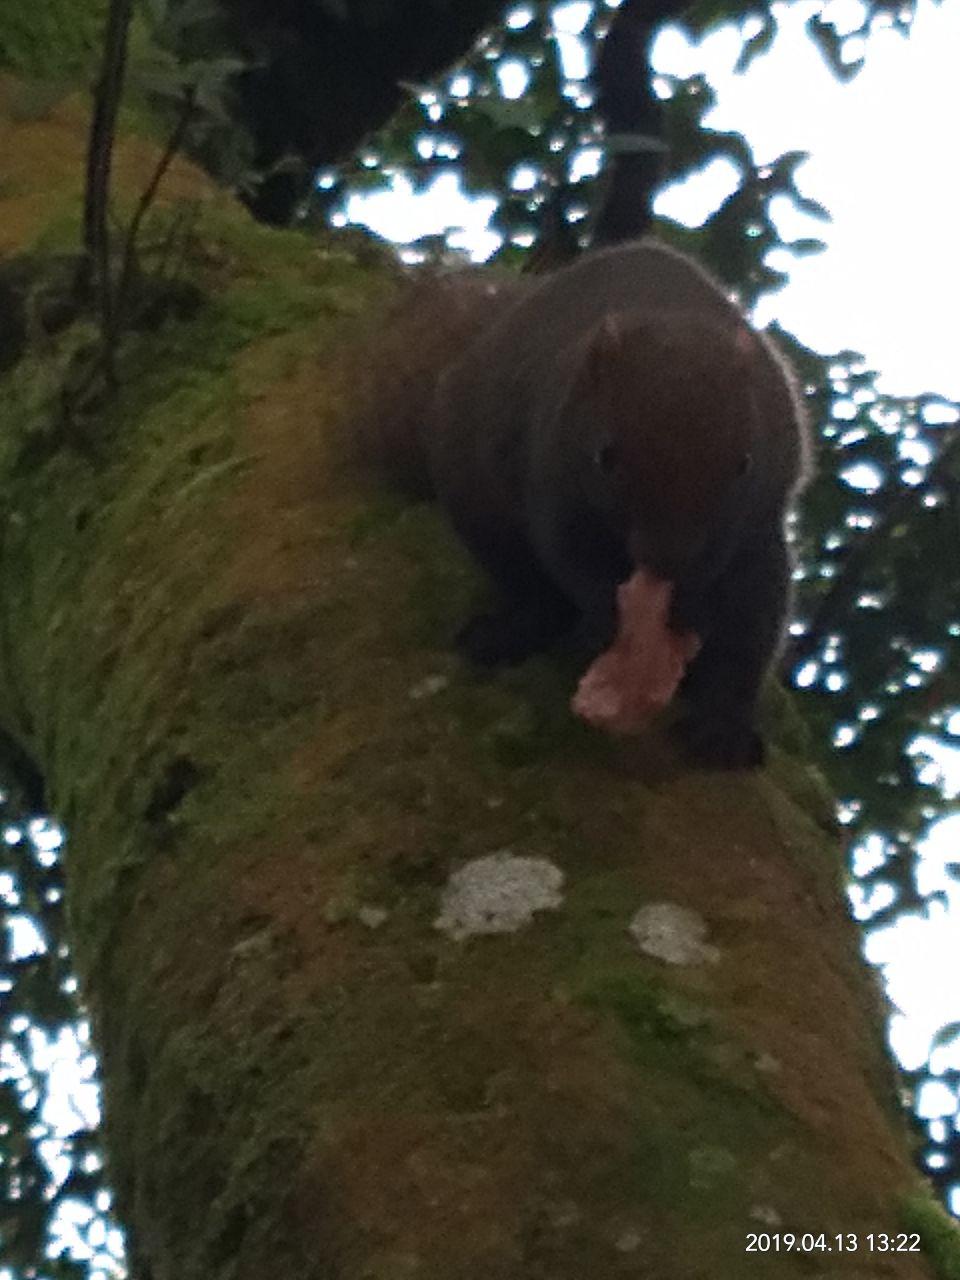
<point>632,118</point>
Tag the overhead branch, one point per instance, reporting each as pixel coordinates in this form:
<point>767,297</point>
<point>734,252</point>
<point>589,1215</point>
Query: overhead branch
<point>632,118</point>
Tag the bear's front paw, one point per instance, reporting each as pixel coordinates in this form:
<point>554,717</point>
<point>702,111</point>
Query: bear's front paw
<point>495,639</point>
<point>717,742</point>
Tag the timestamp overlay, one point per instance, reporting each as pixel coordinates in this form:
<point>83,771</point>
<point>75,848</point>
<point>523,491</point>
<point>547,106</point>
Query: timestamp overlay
<point>832,1242</point>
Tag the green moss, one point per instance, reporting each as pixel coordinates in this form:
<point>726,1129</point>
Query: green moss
<point>172,449</point>
<point>938,1232</point>
<point>678,1050</point>
<point>379,518</point>
<point>638,1004</point>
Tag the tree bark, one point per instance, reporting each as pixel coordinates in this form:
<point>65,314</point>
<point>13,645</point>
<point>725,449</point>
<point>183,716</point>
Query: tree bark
<point>294,815</point>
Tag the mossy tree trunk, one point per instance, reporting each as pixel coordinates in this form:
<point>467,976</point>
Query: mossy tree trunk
<point>295,818</point>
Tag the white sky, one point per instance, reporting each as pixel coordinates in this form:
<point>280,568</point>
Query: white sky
<point>881,161</point>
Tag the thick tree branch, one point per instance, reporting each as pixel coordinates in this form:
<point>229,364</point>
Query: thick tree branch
<point>632,118</point>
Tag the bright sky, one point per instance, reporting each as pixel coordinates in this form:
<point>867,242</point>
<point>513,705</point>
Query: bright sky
<point>881,162</point>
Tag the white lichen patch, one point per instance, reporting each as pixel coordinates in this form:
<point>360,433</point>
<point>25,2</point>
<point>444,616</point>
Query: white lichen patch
<point>766,1214</point>
<point>673,934</point>
<point>629,1241</point>
<point>372,917</point>
<point>428,687</point>
<point>498,893</point>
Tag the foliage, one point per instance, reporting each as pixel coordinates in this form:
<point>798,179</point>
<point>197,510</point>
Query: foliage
<point>51,39</point>
<point>109,277</point>
<point>51,1169</point>
<point>880,660</point>
<point>179,56</point>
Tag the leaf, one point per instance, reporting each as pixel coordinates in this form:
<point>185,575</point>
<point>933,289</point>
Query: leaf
<point>758,44</point>
<point>830,46</point>
<point>704,14</point>
<point>813,207</point>
<point>806,246</point>
<point>510,113</point>
<point>947,1036</point>
<point>784,168</point>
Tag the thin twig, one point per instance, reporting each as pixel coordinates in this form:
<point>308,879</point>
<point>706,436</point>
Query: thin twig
<point>179,231</point>
<point>147,197</point>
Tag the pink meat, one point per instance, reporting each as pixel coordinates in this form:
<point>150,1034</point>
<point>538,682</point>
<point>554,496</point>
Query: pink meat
<point>640,672</point>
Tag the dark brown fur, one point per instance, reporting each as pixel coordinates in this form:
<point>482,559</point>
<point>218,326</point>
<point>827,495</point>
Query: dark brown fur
<point>435,318</point>
<point>618,412</point>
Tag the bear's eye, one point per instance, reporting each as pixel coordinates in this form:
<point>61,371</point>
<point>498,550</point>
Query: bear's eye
<point>606,457</point>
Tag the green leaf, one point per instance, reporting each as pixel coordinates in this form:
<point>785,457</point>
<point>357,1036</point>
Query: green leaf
<point>830,46</point>
<point>806,246</point>
<point>758,44</point>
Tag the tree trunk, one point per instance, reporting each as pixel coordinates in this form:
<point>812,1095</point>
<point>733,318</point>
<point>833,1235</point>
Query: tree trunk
<point>370,944</point>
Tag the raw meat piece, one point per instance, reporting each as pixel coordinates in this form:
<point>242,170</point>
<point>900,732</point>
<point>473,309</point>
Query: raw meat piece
<point>639,674</point>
